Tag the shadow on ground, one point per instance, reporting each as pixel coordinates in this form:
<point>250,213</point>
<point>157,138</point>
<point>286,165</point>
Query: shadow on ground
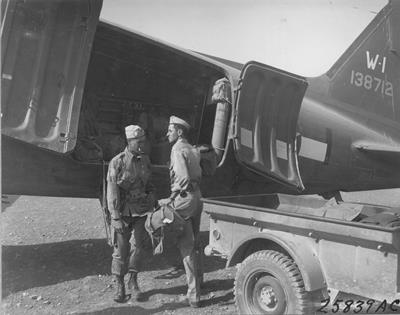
<point>209,286</point>
<point>137,310</point>
<point>7,201</point>
<point>29,266</point>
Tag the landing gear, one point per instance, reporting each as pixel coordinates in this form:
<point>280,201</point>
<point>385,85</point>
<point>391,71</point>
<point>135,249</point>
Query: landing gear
<point>269,282</point>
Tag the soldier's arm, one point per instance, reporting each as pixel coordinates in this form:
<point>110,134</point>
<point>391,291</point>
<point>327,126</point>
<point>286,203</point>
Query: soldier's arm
<point>113,196</point>
<point>181,172</point>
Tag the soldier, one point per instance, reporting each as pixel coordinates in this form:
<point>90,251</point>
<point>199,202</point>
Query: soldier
<point>185,174</point>
<point>130,196</point>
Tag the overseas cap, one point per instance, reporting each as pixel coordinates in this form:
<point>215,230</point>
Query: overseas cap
<point>134,132</point>
<point>179,121</point>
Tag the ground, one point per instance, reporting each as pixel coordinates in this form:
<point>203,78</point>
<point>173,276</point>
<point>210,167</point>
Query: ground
<point>55,260</point>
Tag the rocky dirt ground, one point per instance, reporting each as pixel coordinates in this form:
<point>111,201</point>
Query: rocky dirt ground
<point>55,260</point>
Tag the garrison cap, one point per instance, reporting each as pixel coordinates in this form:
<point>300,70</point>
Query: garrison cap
<point>133,132</point>
<point>179,121</point>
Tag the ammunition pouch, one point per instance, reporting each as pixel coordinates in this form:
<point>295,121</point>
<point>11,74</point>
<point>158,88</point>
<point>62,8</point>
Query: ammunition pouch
<point>137,200</point>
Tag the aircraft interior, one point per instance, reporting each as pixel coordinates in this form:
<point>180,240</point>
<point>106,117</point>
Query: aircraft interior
<point>134,80</point>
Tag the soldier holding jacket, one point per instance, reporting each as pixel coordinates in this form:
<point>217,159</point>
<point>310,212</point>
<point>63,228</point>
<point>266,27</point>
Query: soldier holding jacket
<point>130,197</point>
<point>185,175</point>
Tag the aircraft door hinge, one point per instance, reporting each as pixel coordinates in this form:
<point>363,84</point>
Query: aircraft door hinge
<point>55,122</point>
<point>65,137</point>
<point>238,87</point>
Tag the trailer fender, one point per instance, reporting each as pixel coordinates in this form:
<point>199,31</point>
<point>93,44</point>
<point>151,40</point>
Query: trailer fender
<point>299,248</point>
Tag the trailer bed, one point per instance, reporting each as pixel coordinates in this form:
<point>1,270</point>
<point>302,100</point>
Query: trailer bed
<point>354,257</point>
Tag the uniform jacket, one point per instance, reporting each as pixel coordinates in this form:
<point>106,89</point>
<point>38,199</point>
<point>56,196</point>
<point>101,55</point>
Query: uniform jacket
<point>129,189</point>
<point>185,170</point>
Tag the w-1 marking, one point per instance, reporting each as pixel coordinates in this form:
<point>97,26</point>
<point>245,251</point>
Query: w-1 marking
<point>372,62</point>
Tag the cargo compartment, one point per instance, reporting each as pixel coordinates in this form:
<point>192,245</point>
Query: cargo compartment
<point>134,80</point>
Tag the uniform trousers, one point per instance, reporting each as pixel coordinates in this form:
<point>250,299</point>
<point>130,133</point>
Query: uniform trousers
<point>130,246</point>
<point>190,207</point>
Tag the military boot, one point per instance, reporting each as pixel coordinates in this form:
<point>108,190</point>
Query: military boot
<point>120,293</point>
<point>133,286</point>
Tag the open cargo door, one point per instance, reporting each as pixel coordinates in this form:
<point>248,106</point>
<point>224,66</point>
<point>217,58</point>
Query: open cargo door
<point>45,49</point>
<point>268,103</point>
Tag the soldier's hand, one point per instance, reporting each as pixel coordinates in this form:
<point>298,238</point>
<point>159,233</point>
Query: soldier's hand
<point>117,225</point>
<point>165,201</point>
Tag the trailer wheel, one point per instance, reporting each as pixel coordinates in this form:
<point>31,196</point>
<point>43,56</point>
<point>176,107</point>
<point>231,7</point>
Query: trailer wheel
<point>269,282</point>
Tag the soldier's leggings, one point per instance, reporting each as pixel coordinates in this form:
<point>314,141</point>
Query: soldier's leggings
<point>185,244</point>
<point>130,246</point>
<point>196,220</point>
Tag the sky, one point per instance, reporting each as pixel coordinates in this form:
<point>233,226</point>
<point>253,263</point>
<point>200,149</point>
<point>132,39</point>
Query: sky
<point>301,36</point>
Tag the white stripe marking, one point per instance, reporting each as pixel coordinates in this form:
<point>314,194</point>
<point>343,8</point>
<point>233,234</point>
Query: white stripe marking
<point>313,149</point>
<point>246,137</point>
<point>281,149</point>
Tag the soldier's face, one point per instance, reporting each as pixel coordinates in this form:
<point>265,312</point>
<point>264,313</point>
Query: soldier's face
<point>136,145</point>
<point>172,134</point>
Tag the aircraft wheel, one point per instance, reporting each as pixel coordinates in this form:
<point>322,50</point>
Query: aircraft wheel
<point>269,282</point>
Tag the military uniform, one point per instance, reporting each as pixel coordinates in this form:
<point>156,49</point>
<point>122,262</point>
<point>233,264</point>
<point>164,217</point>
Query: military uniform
<point>130,196</point>
<point>185,174</point>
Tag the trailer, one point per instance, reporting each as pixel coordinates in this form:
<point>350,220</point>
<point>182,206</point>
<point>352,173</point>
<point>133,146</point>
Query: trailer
<point>295,253</point>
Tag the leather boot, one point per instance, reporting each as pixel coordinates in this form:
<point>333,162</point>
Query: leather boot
<point>120,293</point>
<point>133,286</point>
<point>191,303</point>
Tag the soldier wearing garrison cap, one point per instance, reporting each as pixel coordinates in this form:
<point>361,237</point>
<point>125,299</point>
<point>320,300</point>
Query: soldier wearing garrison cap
<point>130,197</point>
<point>173,120</point>
<point>185,175</point>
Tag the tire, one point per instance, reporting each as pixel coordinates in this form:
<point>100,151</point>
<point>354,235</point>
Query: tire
<point>269,282</point>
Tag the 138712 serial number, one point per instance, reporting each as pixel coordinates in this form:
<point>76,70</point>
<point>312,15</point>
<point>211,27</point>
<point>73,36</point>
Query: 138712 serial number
<point>370,82</point>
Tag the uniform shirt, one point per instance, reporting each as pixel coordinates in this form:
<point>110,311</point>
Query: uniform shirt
<point>129,185</point>
<point>185,170</point>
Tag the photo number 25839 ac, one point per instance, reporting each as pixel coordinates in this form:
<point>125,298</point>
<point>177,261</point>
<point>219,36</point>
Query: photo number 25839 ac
<point>370,306</point>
